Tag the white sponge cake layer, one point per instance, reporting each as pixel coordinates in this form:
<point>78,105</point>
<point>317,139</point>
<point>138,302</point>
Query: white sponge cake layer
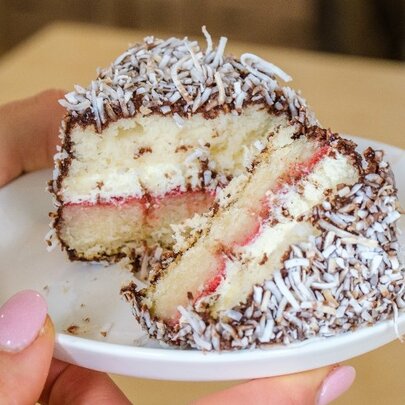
<point>153,154</point>
<point>111,231</point>
<point>94,231</point>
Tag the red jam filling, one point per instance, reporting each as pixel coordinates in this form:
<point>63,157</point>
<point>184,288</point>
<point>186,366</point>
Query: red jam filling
<point>295,173</point>
<point>146,200</point>
<point>212,284</point>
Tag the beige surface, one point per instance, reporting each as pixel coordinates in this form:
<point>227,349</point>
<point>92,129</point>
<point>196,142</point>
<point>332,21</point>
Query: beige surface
<point>357,96</point>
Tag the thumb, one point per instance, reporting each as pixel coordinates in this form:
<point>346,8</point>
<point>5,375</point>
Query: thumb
<point>26,347</point>
<point>318,387</point>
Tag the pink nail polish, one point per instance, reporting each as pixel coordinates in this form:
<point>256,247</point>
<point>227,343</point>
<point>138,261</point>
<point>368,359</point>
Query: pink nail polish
<point>21,319</point>
<point>335,384</point>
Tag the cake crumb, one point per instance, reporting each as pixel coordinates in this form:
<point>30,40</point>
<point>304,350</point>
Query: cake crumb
<point>106,329</point>
<point>264,260</point>
<point>73,329</point>
<point>142,151</point>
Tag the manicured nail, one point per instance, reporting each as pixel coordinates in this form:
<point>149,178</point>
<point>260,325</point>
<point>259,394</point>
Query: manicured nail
<point>336,383</point>
<point>21,320</point>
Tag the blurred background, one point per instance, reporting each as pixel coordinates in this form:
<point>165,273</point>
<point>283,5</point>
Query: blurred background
<point>373,28</point>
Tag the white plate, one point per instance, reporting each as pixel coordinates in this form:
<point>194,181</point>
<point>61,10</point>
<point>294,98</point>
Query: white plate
<point>88,296</point>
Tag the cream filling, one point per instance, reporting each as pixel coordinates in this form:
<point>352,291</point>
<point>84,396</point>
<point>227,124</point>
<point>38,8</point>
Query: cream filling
<point>242,275</point>
<point>153,154</point>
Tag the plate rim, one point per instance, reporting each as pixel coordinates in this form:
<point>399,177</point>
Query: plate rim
<point>180,353</point>
<point>152,363</point>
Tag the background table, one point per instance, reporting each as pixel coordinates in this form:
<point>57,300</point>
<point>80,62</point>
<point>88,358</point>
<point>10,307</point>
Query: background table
<point>357,96</point>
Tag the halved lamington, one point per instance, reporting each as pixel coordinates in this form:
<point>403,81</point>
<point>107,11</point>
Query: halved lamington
<point>303,245</point>
<point>149,142</point>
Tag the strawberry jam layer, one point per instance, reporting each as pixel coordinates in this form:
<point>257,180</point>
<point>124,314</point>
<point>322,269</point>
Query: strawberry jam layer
<point>212,284</point>
<point>147,199</point>
<point>295,173</point>
<point>191,202</point>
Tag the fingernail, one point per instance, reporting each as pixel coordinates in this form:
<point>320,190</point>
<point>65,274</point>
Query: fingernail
<point>335,384</point>
<point>21,320</point>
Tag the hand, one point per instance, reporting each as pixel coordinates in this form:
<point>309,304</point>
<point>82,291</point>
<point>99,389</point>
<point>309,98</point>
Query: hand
<point>28,136</point>
<point>27,371</point>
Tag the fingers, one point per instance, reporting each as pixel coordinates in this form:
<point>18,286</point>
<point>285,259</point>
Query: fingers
<point>29,133</point>
<point>68,384</point>
<point>26,347</point>
<point>318,387</point>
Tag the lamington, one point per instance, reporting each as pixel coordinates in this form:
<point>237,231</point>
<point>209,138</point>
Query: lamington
<point>150,142</point>
<point>304,244</point>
